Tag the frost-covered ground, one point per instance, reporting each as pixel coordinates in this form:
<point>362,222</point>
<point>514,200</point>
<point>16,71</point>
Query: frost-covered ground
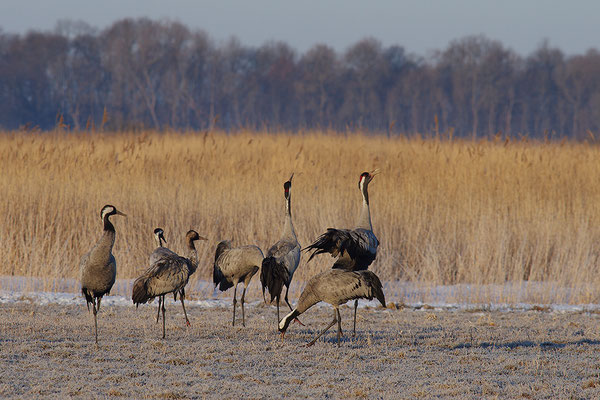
<point>413,349</point>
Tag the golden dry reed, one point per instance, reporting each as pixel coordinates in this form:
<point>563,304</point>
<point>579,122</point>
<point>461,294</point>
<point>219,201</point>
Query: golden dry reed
<point>446,211</point>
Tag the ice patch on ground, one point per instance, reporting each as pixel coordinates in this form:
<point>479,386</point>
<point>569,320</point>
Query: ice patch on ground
<point>524,296</point>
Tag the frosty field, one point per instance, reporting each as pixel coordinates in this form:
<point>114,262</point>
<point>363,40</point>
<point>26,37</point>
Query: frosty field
<point>47,350</point>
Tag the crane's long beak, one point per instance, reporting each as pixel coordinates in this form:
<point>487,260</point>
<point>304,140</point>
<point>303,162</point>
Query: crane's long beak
<point>376,171</point>
<point>120,213</point>
<point>202,237</point>
<point>291,177</point>
<point>282,336</point>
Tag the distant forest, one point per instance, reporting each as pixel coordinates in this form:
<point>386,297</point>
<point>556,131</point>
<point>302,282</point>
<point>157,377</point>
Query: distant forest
<point>161,75</point>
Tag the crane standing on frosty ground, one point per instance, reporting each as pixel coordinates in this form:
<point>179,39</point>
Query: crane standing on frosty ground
<point>235,264</point>
<point>336,287</point>
<point>168,273</point>
<point>356,248</point>
<point>283,257</point>
<point>98,268</point>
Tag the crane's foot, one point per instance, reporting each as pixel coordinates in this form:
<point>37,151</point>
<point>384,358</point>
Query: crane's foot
<point>187,322</point>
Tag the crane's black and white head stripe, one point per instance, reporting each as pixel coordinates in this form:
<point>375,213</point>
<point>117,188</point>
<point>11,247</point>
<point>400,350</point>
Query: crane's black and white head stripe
<point>365,178</point>
<point>107,210</point>
<point>159,234</point>
<point>287,186</point>
<point>285,322</point>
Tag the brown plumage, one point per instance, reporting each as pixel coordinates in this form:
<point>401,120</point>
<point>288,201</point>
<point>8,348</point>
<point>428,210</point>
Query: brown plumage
<point>98,267</point>
<point>354,249</point>
<point>233,265</point>
<point>168,273</point>
<point>336,287</point>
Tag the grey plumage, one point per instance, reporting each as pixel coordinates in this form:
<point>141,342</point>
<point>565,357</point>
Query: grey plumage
<point>354,249</point>
<point>282,258</point>
<point>233,265</point>
<point>168,273</point>
<point>98,267</point>
<point>336,287</point>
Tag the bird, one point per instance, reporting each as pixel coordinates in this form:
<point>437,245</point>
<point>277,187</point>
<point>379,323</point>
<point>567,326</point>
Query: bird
<point>336,287</point>
<point>282,258</point>
<point>355,249</point>
<point>98,267</point>
<point>233,265</point>
<point>168,273</point>
<point>158,254</point>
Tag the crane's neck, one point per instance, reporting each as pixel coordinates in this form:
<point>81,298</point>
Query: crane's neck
<point>364,219</point>
<point>307,299</point>
<point>108,226</point>
<point>106,242</point>
<point>288,226</point>
<point>159,241</point>
<point>192,255</point>
<point>108,237</point>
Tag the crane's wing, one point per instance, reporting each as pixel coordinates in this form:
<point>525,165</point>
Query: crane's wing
<point>166,275</point>
<point>159,253</point>
<point>336,286</point>
<point>355,249</point>
<point>281,249</point>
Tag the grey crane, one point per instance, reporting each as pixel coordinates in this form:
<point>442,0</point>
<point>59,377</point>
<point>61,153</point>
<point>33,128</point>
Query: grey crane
<point>168,273</point>
<point>159,254</point>
<point>283,257</point>
<point>234,265</point>
<point>336,287</point>
<point>356,248</point>
<point>98,268</point>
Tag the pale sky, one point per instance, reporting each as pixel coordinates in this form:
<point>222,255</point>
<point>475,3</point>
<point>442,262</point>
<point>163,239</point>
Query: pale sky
<point>420,26</point>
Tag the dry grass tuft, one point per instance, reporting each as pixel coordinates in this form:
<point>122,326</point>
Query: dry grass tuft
<point>446,212</point>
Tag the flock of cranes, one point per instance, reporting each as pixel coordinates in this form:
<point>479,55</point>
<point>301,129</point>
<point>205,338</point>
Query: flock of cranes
<point>348,279</point>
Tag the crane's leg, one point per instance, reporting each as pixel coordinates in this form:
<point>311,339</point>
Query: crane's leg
<point>324,330</point>
<point>182,297</point>
<point>278,310</point>
<point>339,321</point>
<point>87,303</point>
<point>242,300</point>
<point>158,313</point>
<point>287,288</point>
<point>95,319</point>
<point>99,298</point>
<point>355,307</point>
<point>234,303</point>
<point>163,310</point>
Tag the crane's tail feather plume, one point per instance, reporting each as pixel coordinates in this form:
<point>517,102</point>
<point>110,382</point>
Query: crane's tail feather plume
<point>140,292</point>
<point>88,297</point>
<point>334,241</point>
<point>220,280</point>
<point>218,277</point>
<point>376,288</point>
<point>273,276</point>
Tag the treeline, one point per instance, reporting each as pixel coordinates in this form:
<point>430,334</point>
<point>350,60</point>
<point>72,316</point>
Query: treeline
<point>160,74</point>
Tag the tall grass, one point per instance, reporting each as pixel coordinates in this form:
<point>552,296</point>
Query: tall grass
<point>445,211</point>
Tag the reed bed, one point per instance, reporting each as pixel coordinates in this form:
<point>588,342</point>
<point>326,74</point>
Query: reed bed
<point>447,212</point>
